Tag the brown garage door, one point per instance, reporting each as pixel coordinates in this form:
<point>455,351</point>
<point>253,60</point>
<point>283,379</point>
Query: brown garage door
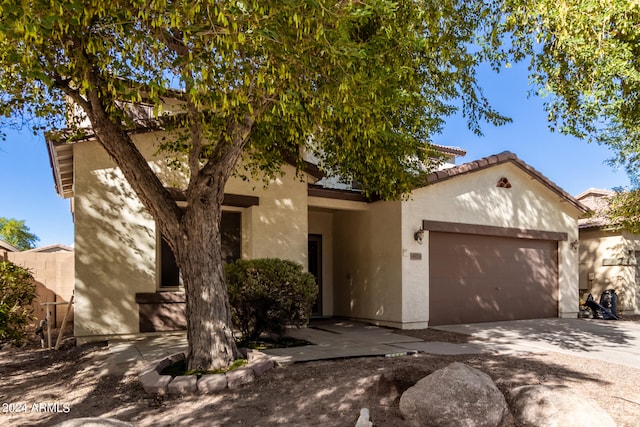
<point>477,278</point>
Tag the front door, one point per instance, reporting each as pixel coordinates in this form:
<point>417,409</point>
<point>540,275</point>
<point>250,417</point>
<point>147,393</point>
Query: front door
<point>315,268</point>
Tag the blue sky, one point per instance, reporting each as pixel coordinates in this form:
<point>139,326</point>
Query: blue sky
<point>571,163</point>
<point>27,191</point>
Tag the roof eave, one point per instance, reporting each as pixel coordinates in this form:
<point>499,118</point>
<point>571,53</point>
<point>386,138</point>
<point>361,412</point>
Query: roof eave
<point>61,163</point>
<point>9,247</point>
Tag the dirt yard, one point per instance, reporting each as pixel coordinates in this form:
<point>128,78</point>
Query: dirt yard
<point>41,388</point>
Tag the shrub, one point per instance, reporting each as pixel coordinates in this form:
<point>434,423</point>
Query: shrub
<point>268,294</point>
<point>17,291</point>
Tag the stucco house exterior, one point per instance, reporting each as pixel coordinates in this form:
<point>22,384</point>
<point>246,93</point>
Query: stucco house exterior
<point>609,255</point>
<point>487,240</point>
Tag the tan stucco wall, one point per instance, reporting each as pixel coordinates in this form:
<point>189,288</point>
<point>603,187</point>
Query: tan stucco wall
<point>115,244</point>
<point>367,260</point>
<point>597,246</point>
<point>54,276</point>
<point>277,227</point>
<point>116,238</point>
<point>475,199</point>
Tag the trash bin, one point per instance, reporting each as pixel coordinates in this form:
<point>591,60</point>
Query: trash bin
<point>609,300</point>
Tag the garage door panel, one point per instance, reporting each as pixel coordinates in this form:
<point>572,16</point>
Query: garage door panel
<point>476,278</point>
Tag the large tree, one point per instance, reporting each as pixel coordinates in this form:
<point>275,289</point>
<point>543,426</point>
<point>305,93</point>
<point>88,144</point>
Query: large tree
<point>16,233</point>
<point>585,59</point>
<point>363,85</point>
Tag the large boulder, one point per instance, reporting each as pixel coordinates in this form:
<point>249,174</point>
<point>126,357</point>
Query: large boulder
<point>557,406</point>
<point>456,396</point>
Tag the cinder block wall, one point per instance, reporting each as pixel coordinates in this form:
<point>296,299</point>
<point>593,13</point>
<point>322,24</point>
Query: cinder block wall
<point>54,274</point>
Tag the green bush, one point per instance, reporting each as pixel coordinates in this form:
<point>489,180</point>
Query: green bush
<point>17,291</point>
<point>268,294</point>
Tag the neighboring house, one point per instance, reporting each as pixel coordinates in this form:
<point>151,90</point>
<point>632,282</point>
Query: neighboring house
<point>6,248</point>
<point>609,256</point>
<point>52,268</point>
<point>487,240</point>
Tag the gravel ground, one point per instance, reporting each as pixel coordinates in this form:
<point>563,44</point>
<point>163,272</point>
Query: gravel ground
<point>40,388</point>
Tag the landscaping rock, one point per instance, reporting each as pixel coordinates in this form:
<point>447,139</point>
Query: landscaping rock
<point>239,377</point>
<point>261,366</point>
<point>212,383</point>
<point>160,365</point>
<point>154,383</point>
<point>557,406</point>
<point>183,384</point>
<point>176,357</point>
<point>457,396</point>
<point>252,355</point>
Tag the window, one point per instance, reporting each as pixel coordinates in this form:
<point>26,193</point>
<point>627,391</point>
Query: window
<point>231,236</point>
<point>169,272</point>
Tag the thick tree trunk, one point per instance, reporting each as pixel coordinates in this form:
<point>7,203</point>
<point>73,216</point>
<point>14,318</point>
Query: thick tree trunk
<point>211,342</point>
<point>194,237</point>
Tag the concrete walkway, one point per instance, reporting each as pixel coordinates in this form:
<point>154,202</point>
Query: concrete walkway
<point>330,338</point>
<point>130,354</point>
<point>338,339</point>
<point>611,341</point>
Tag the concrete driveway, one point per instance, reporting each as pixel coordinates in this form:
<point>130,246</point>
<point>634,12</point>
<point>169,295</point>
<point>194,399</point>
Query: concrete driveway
<point>608,340</point>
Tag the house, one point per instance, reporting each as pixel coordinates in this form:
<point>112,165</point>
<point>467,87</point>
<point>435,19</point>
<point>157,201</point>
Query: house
<point>484,241</point>
<point>609,255</point>
<point>6,248</point>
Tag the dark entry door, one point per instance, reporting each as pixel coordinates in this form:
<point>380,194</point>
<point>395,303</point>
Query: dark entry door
<point>315,268</point>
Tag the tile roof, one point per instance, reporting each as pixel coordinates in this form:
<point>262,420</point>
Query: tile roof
<point>497,159</point>
<point>597,200</point>
<point>595,222</point>
<point>449,149</point>
<point>595,192</point>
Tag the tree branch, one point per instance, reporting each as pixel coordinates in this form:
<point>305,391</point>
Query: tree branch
<point>195,129</point>
<point>65,86</point>
<point>133,165</point>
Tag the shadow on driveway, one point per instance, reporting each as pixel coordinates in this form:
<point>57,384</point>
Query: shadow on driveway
<point>613,341</point>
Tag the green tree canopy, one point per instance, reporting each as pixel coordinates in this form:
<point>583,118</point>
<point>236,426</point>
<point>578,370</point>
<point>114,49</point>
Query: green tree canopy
<point>17,234</point>
<point>363,85</point>
<point>17,292</point>
<point>584,58</point>
<point>624,210</point>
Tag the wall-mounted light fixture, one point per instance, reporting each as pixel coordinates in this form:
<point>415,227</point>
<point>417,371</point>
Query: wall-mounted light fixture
<point>574,245</point>
<point>419,236</point>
